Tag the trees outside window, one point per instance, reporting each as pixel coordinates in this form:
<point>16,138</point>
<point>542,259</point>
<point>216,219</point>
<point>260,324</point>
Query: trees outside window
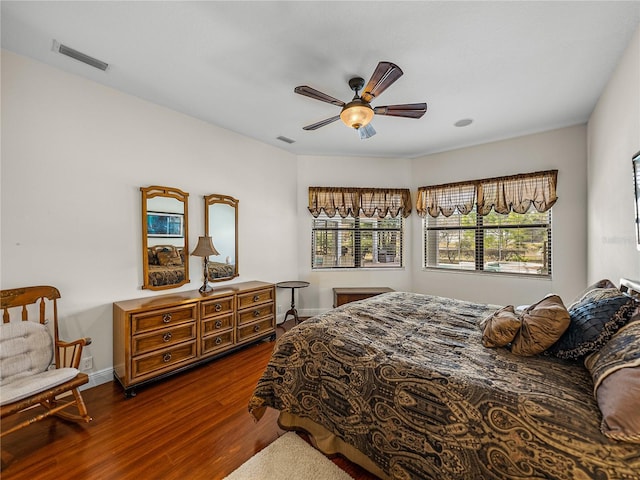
<point>513,243</point>
<point>356,242</point>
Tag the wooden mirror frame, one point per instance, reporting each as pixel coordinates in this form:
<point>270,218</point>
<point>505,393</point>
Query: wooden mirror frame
<point>179,231</point>
<point>209,228</point>
<point>636,184</point>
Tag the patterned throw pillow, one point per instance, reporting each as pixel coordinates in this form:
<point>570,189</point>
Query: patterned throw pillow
<point>151,257</point>
<point>169,257</point>
<point>543,323</point>
<point>594,319</point>
<point>615,369</point>
<point>499,329</point>
<point>605,283</point>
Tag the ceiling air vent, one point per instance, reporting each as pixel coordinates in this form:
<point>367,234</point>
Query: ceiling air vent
<point>81,57</point>
<point>285,139</point>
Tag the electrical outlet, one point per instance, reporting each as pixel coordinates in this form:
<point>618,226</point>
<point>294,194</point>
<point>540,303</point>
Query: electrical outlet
<point>86,363</point>
<point>279,308</point>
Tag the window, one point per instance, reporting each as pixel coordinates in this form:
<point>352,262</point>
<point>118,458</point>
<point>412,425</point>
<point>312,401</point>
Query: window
<point>511,243</point>
<point>357,227</point>
<point>500,225</point>
<point>356,242</point>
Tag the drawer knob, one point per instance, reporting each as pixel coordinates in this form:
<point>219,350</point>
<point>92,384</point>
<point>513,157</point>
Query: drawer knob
<point>166,318</point>
<point>167,357</point>
<point>256,328</point>
<point>218,324</point>
<point>256,313</point>
<point>167,336</point>
<point>256,298</point>
<point>218,340</point>
<point>218,307</point>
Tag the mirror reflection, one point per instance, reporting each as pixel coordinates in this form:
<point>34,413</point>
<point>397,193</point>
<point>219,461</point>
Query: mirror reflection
<point>164,238</point>
<point>221,224</point>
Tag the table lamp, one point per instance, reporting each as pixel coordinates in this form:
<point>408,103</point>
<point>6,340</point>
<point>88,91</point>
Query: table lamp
<point>204,248</point>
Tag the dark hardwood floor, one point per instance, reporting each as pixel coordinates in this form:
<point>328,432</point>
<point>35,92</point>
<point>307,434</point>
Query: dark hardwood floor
<point>194,425</point>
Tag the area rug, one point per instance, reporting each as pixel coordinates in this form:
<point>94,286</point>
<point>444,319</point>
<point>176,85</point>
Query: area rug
<point>288,458</point>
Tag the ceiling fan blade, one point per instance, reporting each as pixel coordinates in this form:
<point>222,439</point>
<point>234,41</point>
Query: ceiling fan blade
<point>317,95</point>
<point>383,76</point>
<point>409,110</point>
<point>321,123</point>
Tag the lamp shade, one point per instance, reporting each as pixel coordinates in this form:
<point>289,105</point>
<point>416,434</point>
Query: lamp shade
<point>356,113</point>
<point>205,247</point>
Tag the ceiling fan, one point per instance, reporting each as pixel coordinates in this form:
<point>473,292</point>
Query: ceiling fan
<point>359,112</point>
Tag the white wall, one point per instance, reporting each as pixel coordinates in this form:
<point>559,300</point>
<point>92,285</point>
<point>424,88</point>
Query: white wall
<point>346,172</point>
<point>74,156</point>
<point>613,138</point>
<point>564,150</point>
<point>75,153</point>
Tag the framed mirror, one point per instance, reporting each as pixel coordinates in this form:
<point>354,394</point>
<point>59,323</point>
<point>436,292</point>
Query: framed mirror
<point>636,183</point>
<point>165,237</point>
<point>221,224</point>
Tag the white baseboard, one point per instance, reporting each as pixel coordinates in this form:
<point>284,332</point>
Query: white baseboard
<point>312,312</point>
<point>307,312</point>
<point>98,378</point>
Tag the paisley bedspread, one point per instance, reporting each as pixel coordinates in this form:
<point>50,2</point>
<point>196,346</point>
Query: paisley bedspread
<point>166,275</point>
<point>220,270</point>
<point>404,379</point>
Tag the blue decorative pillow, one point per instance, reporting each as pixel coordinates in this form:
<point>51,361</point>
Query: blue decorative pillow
<point>594,320</point>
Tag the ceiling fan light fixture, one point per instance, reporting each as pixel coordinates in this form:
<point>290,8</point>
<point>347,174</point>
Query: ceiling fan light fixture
<point>356,114</point>
<point>366,132</point>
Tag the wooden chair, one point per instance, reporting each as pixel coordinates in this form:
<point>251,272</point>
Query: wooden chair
<point>26,354</point>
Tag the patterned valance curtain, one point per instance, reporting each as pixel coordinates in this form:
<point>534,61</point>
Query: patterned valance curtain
<point>350,201</point>
<point>518,192</point>
<point>446,199</point>
<point>503,194</point>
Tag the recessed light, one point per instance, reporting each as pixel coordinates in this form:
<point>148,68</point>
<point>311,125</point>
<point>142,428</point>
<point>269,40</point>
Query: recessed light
<point>464,122</point>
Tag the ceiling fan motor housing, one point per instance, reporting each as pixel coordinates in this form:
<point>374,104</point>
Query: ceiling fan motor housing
<point>356,84</point>
<point>357,113</point>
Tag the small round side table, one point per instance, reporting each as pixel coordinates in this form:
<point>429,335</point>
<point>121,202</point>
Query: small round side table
<point>293,284</point>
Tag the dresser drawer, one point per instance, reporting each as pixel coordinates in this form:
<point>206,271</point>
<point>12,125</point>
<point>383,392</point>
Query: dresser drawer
<point>254,329</point>
<point>145,322</point>
<point>163,359</point>
<point>148,342</point>
<point>217,341</point>
<point>216,324</point>
<point>247,300</point>
<point>217,306</point>
<point>253,314</point>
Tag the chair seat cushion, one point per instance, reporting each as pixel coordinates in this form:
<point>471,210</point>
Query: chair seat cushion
<point>26,386</point>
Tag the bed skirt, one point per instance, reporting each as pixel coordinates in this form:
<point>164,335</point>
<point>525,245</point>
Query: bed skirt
<point>327,442</point>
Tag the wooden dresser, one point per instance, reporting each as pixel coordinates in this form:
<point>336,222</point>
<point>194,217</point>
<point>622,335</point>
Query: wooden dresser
<point>158,336</point>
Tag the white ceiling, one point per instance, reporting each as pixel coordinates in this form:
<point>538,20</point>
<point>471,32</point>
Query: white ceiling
<point>513,67</point>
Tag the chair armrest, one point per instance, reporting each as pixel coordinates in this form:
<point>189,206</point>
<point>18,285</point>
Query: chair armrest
<point>68,354</point>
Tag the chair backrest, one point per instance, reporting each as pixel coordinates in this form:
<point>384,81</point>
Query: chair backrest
<point>41,301</point>
<point>26,349</point>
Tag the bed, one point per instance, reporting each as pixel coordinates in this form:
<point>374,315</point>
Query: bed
<point>402,384</point>
<point>166,265</point>
<point>220,270</point>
